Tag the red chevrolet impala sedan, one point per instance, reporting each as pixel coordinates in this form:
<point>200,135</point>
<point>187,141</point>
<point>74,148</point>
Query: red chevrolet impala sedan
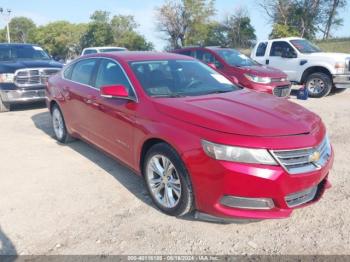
<point>200,142</point>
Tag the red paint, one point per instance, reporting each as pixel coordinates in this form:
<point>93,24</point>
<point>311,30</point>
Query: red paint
<point>241,118</point>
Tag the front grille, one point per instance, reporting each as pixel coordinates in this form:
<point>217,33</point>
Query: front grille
<point>304,160</point>
<point>302,197</point>
<point>282,91</point>
<point>34,76</point>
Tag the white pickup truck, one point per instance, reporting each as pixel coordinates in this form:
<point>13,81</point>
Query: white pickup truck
<point>305,63</point>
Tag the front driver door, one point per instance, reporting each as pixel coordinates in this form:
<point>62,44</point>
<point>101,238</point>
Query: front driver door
<point>289,66</point>
<point>114,118</point>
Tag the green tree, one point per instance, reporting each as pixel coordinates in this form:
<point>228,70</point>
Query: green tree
<point>60,38</point>
<point>240,32</point>
<point>22,29</point>
<point>185,22</point>
<point>281,30</point>
<point>99,31</point>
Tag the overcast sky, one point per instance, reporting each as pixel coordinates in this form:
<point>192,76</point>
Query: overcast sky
<point>44,11</point>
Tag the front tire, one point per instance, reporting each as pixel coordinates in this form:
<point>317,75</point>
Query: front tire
<point>59,126</point>
<point>4,106</point>
<point>167,180</point>
<point>319,85</point>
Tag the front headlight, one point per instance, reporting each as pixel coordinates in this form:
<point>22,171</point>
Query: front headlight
<point>258,79</point>
<point>238,154</point>
<point>7,78</point>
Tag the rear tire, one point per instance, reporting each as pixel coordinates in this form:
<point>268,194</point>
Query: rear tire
<point>167,180</point>
<point>59,126</point>
<point>319,85</point>
<point>4,106</point>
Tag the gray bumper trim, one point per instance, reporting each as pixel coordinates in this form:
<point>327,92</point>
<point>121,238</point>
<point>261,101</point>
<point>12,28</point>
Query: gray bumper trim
<point>22,96</point>
<point>341,81</point>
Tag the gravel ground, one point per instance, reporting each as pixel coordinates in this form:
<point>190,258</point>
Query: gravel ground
<point>74,199</point>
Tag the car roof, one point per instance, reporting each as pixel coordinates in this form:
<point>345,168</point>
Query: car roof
<point>130,56</point>
<point>16,44</point>
<point>284,39</point>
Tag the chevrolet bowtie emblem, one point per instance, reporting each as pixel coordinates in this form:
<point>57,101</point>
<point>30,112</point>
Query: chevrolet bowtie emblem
<point>314,157</point>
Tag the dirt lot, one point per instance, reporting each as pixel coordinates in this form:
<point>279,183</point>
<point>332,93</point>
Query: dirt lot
<point>73,199</point>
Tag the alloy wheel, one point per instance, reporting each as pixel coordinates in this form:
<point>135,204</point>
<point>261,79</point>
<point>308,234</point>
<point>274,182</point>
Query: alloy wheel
<point>316,85</point>
<point>58,124</point>
<point>164,181</point>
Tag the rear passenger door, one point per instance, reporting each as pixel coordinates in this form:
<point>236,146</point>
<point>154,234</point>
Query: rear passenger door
<point>80,94</point>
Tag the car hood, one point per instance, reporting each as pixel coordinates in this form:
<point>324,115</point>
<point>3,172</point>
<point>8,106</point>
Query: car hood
<point>263,71</point>
<point>12,66</point>
<point>241,112</point>
<point>335,56</point>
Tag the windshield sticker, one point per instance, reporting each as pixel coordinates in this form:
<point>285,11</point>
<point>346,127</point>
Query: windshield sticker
<point>38,48</point>
<point>221,79</point>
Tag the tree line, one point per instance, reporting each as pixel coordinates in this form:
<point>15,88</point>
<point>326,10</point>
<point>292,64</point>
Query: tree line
<point>63,39</point>
<point>183,23</point>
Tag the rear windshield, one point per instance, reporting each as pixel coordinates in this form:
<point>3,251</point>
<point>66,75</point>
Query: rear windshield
<point>111,50</point>
<point>175,78</point>
<point>8,53</point>
<point>235,58</point>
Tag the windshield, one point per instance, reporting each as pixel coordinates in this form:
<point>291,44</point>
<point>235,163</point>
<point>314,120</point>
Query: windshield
<point>8,53</point>
<point>175,78</point>
<point>305,46</point>
<point>235,58</point>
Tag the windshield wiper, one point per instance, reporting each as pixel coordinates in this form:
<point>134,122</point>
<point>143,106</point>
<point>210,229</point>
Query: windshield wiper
<point>218,92</point>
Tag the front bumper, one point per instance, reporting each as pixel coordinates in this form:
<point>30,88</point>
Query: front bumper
<point>212,180</point>
<point>341,81</point>
<point>22,95</point>
<point>272,88</point>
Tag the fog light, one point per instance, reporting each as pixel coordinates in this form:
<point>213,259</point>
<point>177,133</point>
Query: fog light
<point>247,203</point>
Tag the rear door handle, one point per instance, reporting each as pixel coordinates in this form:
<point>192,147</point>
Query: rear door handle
<point>267,61</point>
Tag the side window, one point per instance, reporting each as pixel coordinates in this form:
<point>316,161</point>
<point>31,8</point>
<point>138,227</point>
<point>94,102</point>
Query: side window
<point>207,58</point>
<point>110,73</point>
<point>67,73</point>
<point>83,71</point>
<point>261,49</point>
<point>90,51</point>
<point>279,47</point>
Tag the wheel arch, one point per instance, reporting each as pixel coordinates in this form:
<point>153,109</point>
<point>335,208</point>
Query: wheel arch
<point>315,69</point>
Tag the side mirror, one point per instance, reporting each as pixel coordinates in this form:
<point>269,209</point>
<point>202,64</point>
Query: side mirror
<point>114,91</point>
<point>212,65</point>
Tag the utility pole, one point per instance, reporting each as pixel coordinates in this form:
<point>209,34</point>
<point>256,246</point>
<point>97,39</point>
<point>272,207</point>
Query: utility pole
<point>6,15</point>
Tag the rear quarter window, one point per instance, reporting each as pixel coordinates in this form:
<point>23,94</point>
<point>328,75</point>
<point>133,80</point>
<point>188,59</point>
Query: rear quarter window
<point>261,49</point>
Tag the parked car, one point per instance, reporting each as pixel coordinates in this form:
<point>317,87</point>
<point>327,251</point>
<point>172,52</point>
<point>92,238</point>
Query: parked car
<point>24,70</point>
<point>305,63</point>
<point>245,71</point>
<point>199,141</point>
<point>102,49</point>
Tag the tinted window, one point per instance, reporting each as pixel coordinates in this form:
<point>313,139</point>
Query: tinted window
<point>90,51</point>
<point>260,51</point>
<point>305,46</point>
<point>68,72</point>
<point>22,52</point>
<point>235,58</point>
<point>173,78</point>
<point>279,47</point>
<point>83,71</point>
<point>110,73</point>
<point>207,58</point>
